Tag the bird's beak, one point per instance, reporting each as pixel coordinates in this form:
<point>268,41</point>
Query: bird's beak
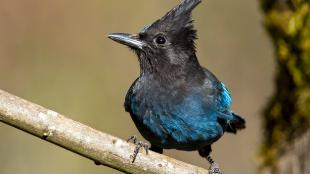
<point>131,40</point>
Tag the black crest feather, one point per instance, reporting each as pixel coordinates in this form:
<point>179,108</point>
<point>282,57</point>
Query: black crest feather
<point>178,21</point>
<point>178,18</point>
<point>183,10</point>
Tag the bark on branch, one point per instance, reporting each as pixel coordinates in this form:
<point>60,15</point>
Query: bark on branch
<point>78,138</point>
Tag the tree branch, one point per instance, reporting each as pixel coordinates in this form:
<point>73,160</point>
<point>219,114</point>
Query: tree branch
<point>78,138</point>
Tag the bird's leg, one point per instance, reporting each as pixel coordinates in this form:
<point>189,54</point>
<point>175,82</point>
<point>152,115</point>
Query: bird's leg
<point>214,167</point>
<point>139,145</point>
<point>205,153</point>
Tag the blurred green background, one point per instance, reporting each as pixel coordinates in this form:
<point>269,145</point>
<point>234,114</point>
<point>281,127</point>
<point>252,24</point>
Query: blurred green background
<point>55,53</point>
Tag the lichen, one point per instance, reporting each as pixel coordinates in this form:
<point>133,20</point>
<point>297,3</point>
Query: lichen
<point>287,115</point>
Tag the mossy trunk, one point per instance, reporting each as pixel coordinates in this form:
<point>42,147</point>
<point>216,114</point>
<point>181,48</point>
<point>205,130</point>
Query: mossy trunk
<point>287,115</point>
<point>296,159</point>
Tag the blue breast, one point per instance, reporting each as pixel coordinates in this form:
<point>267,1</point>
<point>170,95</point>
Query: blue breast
<point>185,122</point>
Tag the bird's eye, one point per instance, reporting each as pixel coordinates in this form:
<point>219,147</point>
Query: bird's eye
<point>160,40</point>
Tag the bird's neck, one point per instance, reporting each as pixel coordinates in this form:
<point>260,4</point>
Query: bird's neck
<point>163,67</point>
<point>168,73</point>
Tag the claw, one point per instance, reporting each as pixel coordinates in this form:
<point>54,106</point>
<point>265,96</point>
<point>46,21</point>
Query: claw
<point>214,167</point>
<point>139,145</point>
<point>132,139</point>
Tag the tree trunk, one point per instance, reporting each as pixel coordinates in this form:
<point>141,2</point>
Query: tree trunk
<point>287,116</point>
<point>296,159</point>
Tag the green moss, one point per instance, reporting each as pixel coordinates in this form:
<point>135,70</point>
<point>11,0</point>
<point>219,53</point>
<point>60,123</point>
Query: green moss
<point>287,114</point>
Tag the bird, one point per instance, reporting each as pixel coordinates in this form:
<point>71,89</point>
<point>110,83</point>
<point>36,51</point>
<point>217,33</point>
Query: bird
<point>175,102</point>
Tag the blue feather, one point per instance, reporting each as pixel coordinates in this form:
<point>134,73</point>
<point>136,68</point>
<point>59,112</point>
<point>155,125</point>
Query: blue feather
<point>225,98</point>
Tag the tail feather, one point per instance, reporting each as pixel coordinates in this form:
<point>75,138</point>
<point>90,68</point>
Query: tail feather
<point>238,123</point>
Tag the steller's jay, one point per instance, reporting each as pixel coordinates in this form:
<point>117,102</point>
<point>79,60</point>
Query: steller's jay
<point>175,102</point>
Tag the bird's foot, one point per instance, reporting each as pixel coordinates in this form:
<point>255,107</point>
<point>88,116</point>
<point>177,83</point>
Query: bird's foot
<point>139,145</point>
<point>214,167</point>
<point>132,139</point>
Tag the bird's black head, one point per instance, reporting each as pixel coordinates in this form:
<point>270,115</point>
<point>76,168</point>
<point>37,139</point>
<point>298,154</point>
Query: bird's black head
<point>168,43</point>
